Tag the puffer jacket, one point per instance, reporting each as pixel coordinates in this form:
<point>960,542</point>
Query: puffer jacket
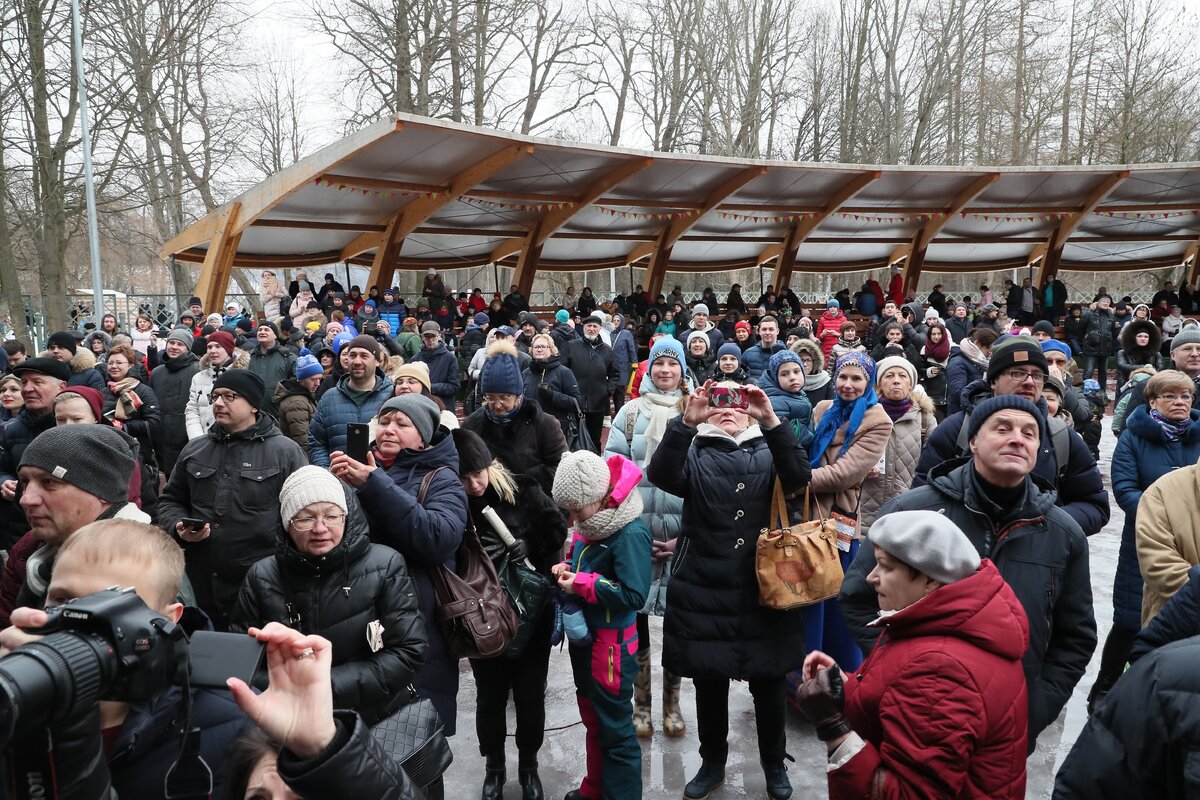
<point>909,434</point>
<point>949,662</point>
<point>715,626</point>
<point>232,482</point>
<point>336,409</point>
<point>838,480</point>
<point>273,366</point>
<point>393,314</point>
<point>829,330</point>
<point>354,765</point>
<point>1098,328</point>
<point>595,372</point>
<point>961,372</point>
<point>1140,742</point>
<point>1081,491</point>
<point>444,379</point>
<point>1130,356</point>
<point>560,394</point>
<point>1168,536</point>
<point>84,371</point>
<point>427,534</point>
<point>1178,619</point>
<point>198,416</point>
<point>756,359</point>
<point>338,595</point>
<point>1142,456</point>
<point>790,406</point>
<point>1041,553</point>
<point>296,408</point>
<point>172,381</point>
<point>531,443</point>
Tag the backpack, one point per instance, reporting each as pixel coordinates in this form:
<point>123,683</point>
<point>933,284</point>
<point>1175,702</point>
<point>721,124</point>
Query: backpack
<point>1060,438</point>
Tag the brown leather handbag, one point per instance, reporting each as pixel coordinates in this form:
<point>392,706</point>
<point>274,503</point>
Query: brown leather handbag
<point>796,565</point>
<point>471,609</point>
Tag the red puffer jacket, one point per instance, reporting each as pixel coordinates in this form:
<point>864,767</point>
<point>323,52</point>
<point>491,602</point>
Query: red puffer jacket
<point>940,702</point>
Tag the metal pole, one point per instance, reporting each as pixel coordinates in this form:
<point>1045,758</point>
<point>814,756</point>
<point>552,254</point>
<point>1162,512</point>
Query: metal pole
<point>90,188</point>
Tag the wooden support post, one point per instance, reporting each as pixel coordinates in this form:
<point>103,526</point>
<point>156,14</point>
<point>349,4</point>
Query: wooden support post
<point>383,265</point>
<point>1058,237</point>
<point>657,272</point>
<point>1191,263</point>
<point>920,242</point>
<point>215,271</point>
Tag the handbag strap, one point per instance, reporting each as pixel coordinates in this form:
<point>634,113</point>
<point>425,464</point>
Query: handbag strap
<point>426,482</point>
<point>779,505</point>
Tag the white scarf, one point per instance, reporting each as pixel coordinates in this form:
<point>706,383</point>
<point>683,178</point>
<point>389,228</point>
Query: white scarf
<point>659,410</point>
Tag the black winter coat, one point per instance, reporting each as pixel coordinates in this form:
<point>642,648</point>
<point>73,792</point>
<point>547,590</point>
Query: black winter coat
<point>1178,619</point>
<point>1130,356</point>
<point>143,425</point>
<point>595,372</point>
<point>552,386</point>
<point>427,534</point>
<point>714,625</point>
<point>1081,491</point>
<point>1098,329</point>
<point>337,596</point>
<point>959,328</point>
<point>14,438</point>
<point>171,381</point>
<point>531,443</point>
<point>1042,554</point>
<point>232,482</point>
<point>534,519</point>
<point>444,379</point>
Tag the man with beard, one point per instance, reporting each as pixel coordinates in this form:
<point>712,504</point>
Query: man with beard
<point>356,397</point>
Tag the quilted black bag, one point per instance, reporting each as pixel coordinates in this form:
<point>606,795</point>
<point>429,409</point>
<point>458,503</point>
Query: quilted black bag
<point>576,432</point>
<point>528,591</point>
<point>416,738</point>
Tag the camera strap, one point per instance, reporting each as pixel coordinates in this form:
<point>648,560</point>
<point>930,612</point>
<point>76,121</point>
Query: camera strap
<point>189,778</point>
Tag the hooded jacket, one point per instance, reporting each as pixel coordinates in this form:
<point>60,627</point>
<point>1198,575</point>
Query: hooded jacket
<point>198,415</point>
<point>789,406</point>
<point>625,352</point>
<point>427,534</point>
<point>172,381</point>
<point>296,408</point>
<point>1130,356</point>
<point>818,385</point>
<point>84,371</point>
<point>336,409</point>
<point>1041,553</point>
<point>940,703</point>
<point>1080,492</point>
<point>338,595</point>
<point>232,482</point>
<point>715,627</point>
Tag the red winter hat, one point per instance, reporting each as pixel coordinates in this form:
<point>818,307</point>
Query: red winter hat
<point>743,325</point>
<point>225,339</point>
<point>94,399</point>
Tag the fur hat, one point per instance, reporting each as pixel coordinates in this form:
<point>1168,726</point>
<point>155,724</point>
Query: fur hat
<point>306,486</point>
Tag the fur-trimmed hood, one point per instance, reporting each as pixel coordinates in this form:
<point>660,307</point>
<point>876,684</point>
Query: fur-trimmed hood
<point>241,360</point>
<point>86,344</point>
<point>1143,355</point>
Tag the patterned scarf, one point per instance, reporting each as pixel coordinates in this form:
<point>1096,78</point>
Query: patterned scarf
<point>1174,431</point>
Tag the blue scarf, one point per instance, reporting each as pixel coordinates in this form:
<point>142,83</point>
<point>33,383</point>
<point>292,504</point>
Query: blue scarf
<point>842,412</point>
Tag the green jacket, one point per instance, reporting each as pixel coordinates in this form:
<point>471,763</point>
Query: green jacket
<point>613,576</point>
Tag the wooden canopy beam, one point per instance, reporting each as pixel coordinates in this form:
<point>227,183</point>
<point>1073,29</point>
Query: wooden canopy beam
<point>1191,263</point>
<point>801,230</point>
<point>920,244</point>
<point>218,259</point>
<point>1068,224</point>
<point>660,251</point>
<point>419,209</point>
<point>530,248</point>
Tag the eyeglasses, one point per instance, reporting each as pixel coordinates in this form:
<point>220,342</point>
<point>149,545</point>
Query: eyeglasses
<point>1022,375</point>
<point>499,399</point>
<point>306,524</point>
<point>1171,398</point>
<point>224,397</point>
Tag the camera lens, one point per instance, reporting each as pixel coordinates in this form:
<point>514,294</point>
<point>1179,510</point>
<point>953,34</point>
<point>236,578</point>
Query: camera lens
<point>43,681</point>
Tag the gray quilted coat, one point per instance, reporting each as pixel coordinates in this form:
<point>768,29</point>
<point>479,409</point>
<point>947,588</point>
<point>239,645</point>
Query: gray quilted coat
<point>909,434</point>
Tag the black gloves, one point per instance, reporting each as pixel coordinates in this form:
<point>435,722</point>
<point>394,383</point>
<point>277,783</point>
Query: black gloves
<point>823,699</point>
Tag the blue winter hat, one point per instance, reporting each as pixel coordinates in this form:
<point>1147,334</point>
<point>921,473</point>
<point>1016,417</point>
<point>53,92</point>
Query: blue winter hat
<point>781,358</point>
<point>340,340</point>
<point>501,372</point>
<point>481,319</point>
<point>666,347</point>
<point>996,403</point>
<point>371,303</point>
<point>1054,344</point>
<point>307,367</point>
<point>561,316</point>
<point>833,303</point>
<point>730,349</point>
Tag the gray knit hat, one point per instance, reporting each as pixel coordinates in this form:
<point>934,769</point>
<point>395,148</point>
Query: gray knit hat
<point>1188,335</point>
<point>181,335</point>
<point>94,458</point>
<point>306,486</point>
<point>928,542</point>
<point>420,410</point>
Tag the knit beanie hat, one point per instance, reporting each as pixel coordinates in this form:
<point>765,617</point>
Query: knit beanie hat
<point>94,458</point>
<point>742,326</point>
<point>214,319</point>
<point>482,318</point>
<point>584,478</point>
<point>985,409</point>
<point>895,361</point>
<point>244,324</point>
<point>63,339</point>
<point>473,452</point>
<point>1044,326</point>
<point>696,335</point>
<point>341,340</point>
<point>194,301</point>
<point>234,305</point>
<point>1015,351</point>
<point>368,343</point>
<point>1056,386</point>
<point>700,308</point>
<point>730,349</point>
<point>181,335</point>
<point>561,316</point>
<point>833,303</point>
<point>422,412</point>
<point>1188,335</point>
<point>1061,347</point>
<point>928,542</point>
<point>784,356</point>
<point>306,486</point>
<point>93,398</point>
<point>307,367</point>
<point>225,340</point>
<point>245,383</point>
<point>667,347</point>
<point>418,370</point>
<point>501,372</point>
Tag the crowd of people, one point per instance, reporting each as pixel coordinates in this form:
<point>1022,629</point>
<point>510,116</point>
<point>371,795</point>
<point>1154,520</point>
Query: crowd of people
<point>309,475</point>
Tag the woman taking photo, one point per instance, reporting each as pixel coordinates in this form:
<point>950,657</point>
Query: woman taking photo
<point>548,383</point>
<point>425,527</point>
<point>636,432</point>
<point>540,531</point>
<point>1160,436</point>
<point>327,578</point>
<point>724,462</point>
<point>850,435</point>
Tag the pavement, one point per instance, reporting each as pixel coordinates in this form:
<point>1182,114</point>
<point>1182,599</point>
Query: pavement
<point>668,763</point>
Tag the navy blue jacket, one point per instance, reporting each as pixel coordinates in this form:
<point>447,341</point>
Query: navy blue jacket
<point>561,394</point>
<point>625,355</point>
<point>1142,456</point>
<point>788,406</point>
<point>961,372</point>
<point>336,409</point>
<point>1178,619</point>
<point>756,359</point>
<point>1080,493</point>
<point>443,373</point>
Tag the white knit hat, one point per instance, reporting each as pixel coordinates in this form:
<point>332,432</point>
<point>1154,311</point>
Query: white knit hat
<point>306,486</point>
<point>580,480</point>
<point>584,478</point>
<point>895,361</point>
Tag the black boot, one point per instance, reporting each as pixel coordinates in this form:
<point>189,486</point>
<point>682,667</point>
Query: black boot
<point>709,777</point>
<point>493,779</point>
<point>778,785</point>
<point>531,784</point>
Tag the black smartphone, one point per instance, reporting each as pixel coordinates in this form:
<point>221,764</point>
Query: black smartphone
<point>193,523</point>
<point>215,657</point>
<point>358,439</point>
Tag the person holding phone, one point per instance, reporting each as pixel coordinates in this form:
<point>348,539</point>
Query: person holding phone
<point>723,460</point>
